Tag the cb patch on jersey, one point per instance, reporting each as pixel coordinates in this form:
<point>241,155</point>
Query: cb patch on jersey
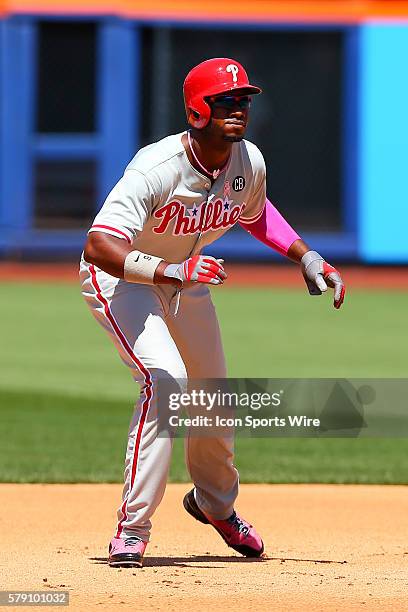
<point>238,183</point>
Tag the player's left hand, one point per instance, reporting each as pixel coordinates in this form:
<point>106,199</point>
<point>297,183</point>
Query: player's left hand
<point>319,275</point>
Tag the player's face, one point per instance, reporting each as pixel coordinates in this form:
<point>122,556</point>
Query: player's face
<point>229,116</point>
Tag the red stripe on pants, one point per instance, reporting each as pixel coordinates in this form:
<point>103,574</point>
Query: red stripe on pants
<point>148,390</point>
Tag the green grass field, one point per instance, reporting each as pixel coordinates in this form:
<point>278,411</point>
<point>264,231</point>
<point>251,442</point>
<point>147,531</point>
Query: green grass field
<point>66,399</point>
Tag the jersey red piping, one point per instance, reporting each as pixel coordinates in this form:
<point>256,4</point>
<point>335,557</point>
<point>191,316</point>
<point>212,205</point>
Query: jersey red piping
<point>112,229</point>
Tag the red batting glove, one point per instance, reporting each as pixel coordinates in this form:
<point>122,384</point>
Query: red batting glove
<point>199,269</point>
<point>319,275</point>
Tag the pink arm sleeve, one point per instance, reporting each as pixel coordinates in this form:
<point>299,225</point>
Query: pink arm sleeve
<point>272,229</point>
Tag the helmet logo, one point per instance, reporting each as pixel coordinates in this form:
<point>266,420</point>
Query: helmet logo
<point>233,68</point>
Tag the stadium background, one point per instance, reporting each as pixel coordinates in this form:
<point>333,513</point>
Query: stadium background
<point>84,85</point>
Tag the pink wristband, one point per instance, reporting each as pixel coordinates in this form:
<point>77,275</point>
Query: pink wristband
<point>272,229</point>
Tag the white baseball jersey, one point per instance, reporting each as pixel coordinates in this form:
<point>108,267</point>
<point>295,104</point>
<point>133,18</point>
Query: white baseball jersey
<point>167,208</point>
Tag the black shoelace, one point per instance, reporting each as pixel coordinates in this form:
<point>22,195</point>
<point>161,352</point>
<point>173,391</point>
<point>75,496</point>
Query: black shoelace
<point>132,541</point>
<point>238,524</point>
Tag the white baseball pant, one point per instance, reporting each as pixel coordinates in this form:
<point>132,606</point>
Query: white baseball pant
<point>155,344</point>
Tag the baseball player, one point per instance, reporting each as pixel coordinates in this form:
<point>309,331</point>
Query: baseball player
<point>146,281</point>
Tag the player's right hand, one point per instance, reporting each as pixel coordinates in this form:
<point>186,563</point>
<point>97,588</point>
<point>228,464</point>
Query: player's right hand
<point>199,269</point>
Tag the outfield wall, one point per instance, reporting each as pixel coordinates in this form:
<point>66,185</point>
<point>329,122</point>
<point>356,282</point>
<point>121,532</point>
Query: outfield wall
<point>84,86</point>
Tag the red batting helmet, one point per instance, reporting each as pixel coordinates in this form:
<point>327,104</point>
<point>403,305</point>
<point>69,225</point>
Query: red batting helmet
<point>212,77</point>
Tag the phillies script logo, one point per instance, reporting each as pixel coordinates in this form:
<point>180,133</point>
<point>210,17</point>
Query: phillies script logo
<point>207,216</point>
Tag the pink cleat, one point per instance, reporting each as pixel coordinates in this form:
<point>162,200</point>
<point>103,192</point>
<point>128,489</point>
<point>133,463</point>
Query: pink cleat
<point>235,531</point>
<point>126,553</point>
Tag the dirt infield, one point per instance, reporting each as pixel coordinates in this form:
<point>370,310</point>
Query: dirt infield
<point>261,275</point>
<point>329,547</point>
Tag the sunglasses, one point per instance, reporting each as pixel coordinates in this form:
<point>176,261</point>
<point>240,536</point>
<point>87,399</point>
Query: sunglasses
<point>231,102</point>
